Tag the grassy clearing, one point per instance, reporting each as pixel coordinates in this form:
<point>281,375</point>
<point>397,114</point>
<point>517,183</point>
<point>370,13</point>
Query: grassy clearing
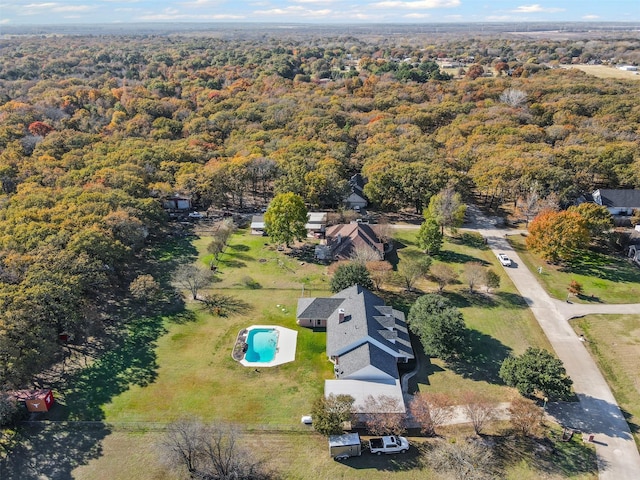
<point>605,279</point>
<point>614,342</point>
<point>500,323</point>
<point>307,457</point>
<point>605,71</point>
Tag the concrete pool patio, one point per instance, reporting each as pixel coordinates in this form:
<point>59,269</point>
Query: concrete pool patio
<point>285,349</point>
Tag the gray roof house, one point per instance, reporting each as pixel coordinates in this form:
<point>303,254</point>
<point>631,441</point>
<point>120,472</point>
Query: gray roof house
<point>366,340</point>
<point>356,197</point>
<point>618,201</point>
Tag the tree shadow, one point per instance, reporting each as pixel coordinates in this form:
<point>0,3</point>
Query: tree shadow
<point>232,263</point>
<point>53,450</point>
<point>448,256</point>
<point>602,266</point>
<point>484,359</point>
<point>239,247</point>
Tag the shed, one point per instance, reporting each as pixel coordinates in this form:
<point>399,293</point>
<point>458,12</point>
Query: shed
<point>345,445</point>
<point>257,225</point>
<point>177,202</point>
<point>35,400</point>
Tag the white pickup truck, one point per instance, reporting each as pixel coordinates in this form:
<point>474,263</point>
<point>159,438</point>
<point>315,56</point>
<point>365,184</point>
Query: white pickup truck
<point>388,444</point>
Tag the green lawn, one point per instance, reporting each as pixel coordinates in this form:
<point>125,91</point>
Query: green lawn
<point>605,279</point>
<point>614,342</point>
<point>500,323</point>
<point>181,366</point>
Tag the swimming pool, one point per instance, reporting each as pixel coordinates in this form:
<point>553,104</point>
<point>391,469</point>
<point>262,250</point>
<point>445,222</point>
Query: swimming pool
<point>262,344</point>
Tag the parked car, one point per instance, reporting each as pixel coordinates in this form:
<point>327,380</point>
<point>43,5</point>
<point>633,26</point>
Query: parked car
<point>306,419</point>
<point>504,260</point>
<point>388,444</point>
<point>196,215</point>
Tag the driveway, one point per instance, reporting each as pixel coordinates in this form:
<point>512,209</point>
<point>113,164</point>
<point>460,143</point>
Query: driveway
<point>598,413</point>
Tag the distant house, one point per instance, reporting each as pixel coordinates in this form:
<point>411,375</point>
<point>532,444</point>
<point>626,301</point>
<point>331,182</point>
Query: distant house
<point>356,197</point>
<point>618,202</point>
<point>177,202</point>
<point>366,340</point>
<point>316,223</point>
<point>257,225</point>
<point>628,68</point>
<point>344,240</point>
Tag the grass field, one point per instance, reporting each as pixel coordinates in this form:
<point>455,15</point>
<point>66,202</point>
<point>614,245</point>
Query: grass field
<point>605,71</point>
<point>614,342</point>
<point>604,279</point>
<point>312,461</point>
<point>181,365</point>
<point>500,324</point>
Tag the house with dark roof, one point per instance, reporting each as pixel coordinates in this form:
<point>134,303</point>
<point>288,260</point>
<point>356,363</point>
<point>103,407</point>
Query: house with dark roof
<point>344,240</point>
<point>366,340</point>
<point>618,201</point>
<point>356,197</point>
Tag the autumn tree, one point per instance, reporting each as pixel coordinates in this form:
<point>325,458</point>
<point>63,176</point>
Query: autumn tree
<point>443,275</point>
<point>430,237</point>
<point>479,410</point>
<point>385,415</point>
<point>574,288</point>
<point>463,460</point>
<point>525,416</point>
<point>145,289</point>
<point>537,371</point>
<point>447,209</point>
<point>330,413</point>
<point>285,218</point>
<point>380,272</point>
<point>558,236</point>
<point>411,269</point>
<point>597,219</point>
<point>431,410</point>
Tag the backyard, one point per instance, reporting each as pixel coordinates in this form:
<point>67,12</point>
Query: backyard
<point>181,365</point>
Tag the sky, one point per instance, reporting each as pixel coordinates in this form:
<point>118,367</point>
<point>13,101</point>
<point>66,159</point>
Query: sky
<point>34,12</point>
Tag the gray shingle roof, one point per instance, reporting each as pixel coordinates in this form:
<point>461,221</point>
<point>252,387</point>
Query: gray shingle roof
<point>317,308</point>
<point>620,198</point>
<point>363,356</point>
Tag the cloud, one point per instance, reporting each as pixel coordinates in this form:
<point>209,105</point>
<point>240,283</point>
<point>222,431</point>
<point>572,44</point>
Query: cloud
<point>417,16</point>
<point>418,4</point>
<point>169,14</point>
<point>294,11</point>
<point>537,8</point>
<point>590,17</point>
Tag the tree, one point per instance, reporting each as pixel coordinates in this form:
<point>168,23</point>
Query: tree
<point>525,416</point>
<point>558,236</point>
<point>431,410</point>
<point>475,71</point>
<point>430,237</point>
<point>411,269</point>
<point>635,219</point>
<point>443,275</point>
<point>598,220</point>
<point>532,204</point>
<point>192,278</point>
<point>440,327</point>
<point>380,271</point>
<point>364,254</point>
<point>447,209</point>
<point>492,280</point>
<point>474,274</point>
<point>574,288</point>
<point>384,232</point>
<point>351,274</point>
<point>536,370</point>
<point>145,289</point>
<point>8,410</point>
<point>285,218</point>
<point>513,97</point>
<point>216,246</point>
<point>479,410</point>
<point>385,415</point>
<point>331,412</point>
<point>209,452</point>
<point>464,460</point>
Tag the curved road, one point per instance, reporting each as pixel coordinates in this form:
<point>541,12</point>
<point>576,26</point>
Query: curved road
<point>597,413</point>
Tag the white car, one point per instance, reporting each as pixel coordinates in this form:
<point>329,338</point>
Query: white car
<point>504,260</point>
<point>195,215</point>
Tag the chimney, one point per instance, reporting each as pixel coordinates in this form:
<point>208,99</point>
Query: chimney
<point>341,315</point>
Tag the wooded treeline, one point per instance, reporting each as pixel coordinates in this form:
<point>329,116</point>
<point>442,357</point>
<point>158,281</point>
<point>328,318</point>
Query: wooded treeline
<point>95,131</point>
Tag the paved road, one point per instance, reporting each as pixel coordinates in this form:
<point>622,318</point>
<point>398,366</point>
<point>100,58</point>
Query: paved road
<point>598,412</point>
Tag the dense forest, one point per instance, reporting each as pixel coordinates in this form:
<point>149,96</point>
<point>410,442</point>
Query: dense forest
<point>96,130</point>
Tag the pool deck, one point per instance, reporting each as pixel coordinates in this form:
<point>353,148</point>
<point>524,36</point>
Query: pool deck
<point>285,350</point>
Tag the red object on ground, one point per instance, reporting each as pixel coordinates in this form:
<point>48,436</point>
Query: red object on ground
<point>35,400</point>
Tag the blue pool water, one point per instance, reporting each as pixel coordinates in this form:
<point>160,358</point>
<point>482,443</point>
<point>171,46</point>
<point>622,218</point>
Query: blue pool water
<point>261,345</point>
